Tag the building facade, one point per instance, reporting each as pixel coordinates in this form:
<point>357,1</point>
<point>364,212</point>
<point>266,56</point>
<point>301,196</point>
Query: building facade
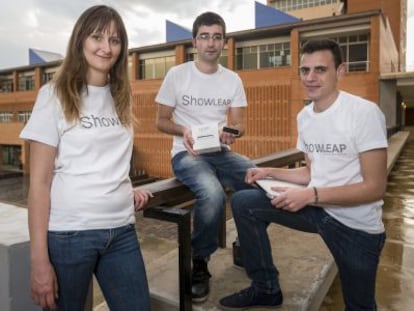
<point>267,60</point>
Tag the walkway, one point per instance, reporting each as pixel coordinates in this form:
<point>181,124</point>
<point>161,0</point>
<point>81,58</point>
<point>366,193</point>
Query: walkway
<point>395,285</point>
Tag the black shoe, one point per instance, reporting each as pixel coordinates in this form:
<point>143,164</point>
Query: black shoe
<point>251,298</point>
<point>200,279</point>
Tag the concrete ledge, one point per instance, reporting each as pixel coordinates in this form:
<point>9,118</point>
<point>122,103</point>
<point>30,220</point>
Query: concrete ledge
<point>306,266</point>
<point>14,260</point>
<point>395,144</point>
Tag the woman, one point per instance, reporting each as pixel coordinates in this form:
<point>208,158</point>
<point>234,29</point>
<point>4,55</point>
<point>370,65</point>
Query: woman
<point>81,202</point>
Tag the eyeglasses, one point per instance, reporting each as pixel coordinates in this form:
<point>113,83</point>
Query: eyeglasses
<point>206,37</point>
<point>304,71</point>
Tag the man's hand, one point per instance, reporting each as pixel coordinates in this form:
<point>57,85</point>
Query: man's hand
<point>254,174</point>
<point>292,199</point>
<point>227,138</point>
<point>188,141</point>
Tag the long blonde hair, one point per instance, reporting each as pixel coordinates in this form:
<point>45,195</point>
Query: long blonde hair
<point>70,80</point>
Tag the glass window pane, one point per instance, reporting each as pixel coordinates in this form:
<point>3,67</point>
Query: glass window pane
<point>358,56</point>
<point>250,61</point>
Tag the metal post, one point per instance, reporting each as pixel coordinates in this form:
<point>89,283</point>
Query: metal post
<point>182,217</point>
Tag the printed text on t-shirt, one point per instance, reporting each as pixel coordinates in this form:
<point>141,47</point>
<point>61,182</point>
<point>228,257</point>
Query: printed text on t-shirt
<point>94,121</point>
<point>325,148</point>
<point>201,101</point>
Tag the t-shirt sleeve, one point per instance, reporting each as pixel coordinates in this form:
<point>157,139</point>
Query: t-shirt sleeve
<point>371,129</point>
<point>43,122</point>
<point>240,99</point>
<point>299,141</point>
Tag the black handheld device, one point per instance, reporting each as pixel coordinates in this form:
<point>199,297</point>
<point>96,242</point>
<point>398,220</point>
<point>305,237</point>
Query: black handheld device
<point>230,130</point>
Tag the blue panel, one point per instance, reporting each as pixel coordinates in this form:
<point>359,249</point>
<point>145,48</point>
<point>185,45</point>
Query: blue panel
<point>34,58</point>
<point>176,32</point>
<point>268,16</point>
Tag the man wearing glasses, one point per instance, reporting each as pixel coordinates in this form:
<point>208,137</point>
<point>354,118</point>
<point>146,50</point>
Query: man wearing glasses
<point>344,141</point>
<point>192,94</point>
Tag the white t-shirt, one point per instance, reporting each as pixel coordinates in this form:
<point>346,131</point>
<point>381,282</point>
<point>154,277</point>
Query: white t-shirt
<point>333,140</point>
<point>91,188</point>
<point>200,98</point>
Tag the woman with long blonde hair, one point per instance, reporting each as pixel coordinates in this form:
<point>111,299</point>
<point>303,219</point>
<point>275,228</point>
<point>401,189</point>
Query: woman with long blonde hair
<point>81,202</point>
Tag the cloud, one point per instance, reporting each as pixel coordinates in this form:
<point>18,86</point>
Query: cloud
<point>47,24</point>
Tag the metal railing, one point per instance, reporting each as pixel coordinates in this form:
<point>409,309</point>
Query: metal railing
<point>170,196</point>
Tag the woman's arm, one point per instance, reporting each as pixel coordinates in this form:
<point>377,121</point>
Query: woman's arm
<point>44,287</point>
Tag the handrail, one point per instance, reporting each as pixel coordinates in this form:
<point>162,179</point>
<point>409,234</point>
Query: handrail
<point>170,191</point>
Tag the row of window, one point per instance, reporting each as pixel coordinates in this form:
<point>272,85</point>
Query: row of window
<point>26,82</point>
<point>261,56</point>
<point>251,57</point>
<point>22,116</point>
<point>290,5</point>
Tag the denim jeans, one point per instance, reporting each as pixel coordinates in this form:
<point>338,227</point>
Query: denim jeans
<point>356,253</point>
<point>113,255</point>
<point>205,175</point>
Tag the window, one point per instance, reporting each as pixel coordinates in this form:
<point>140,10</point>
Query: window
<point>357,57</point>
<point>355,50</point>
<point>24,116</point>
<point>246,58</point>
<point>47,76</point>
<point>6,86</point>
<point>223,60</point>
<point>6,117</point>
<point>155,68</point>
<point>290,5</point>
<point>26,82</point>
<point>263,56</point>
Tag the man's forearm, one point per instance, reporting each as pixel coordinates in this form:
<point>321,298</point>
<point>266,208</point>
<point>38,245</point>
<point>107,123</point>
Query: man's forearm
<point>169,127</point>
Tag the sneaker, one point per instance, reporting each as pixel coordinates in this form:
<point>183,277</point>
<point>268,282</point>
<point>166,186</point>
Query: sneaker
<point>200,279</point>
<point>251,298</point>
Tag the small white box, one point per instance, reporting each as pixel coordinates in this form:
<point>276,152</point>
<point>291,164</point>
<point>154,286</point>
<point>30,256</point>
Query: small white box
<point>206,138</point>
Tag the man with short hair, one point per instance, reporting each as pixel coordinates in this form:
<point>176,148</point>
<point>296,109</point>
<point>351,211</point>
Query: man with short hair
<point>197,93</point>
<point>344,141</point>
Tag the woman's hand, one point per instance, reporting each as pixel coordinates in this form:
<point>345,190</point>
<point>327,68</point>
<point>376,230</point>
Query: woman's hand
<point>141,198</point>
<point>43,285</point>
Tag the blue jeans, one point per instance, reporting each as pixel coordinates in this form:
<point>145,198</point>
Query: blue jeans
<point>113,255</point>
<point>356,253</point>
<point>206,175</point>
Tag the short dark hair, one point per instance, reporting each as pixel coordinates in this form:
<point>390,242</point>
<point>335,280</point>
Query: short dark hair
<point>324,44</point>
<point>208,19</point>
